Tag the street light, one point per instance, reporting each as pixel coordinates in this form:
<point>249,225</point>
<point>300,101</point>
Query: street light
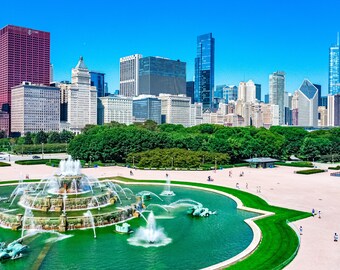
<point>90,160</point>
<point>133,161</point>
<point>42,150</point>
<point>215,164</point>
<point>172,162</point>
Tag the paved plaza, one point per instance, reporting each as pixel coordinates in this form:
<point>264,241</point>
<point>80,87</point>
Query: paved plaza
<point>279,186</point>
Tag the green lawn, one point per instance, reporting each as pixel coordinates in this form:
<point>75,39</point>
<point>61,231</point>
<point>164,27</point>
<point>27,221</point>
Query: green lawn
<point>279,241</point>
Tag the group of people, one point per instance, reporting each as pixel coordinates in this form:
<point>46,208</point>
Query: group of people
<point>314,213</point>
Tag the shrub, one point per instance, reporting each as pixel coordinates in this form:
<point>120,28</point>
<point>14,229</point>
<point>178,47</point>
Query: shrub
<point>4,164</point>
<point>334,168</point>
<point>38,148</point>
<point>38,162</point>
<point>301,164</point>
<point>311,171</point>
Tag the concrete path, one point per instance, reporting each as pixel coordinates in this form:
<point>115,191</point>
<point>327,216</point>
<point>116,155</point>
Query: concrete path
<point>279,186</point>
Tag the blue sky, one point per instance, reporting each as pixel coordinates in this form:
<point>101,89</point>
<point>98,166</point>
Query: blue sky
<point>253,38</point>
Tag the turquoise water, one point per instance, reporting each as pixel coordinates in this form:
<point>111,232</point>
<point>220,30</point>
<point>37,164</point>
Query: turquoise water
<point>196,242</point>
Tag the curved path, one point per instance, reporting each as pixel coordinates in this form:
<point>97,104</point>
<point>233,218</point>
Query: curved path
<point>279,186</point>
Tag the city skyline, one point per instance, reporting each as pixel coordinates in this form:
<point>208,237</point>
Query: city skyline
<point>251,40</point>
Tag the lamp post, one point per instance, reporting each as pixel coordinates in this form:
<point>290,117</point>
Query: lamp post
<point>172,162</point>
<point>90,160</point>
<point>42,150</point>
<point>133,161</point>
<point>215,164</point>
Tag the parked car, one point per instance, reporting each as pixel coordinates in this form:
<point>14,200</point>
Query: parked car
<point>2,158</point>
<point>35,157</point>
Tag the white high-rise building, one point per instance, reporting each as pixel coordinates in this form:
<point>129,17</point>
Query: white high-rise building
<point>82,99</point>
<point>35,108</point>
<point>247,91</point>
<point>196,114</point>
<point>277,92</point>
<point>176,109</point>
<point>117,108</point>
<point>305,107</point>
<point>129,75</point>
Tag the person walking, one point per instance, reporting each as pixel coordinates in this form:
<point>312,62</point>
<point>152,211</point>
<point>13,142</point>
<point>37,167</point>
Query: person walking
<point>246,185</point>
<point>313,212</point>
<point>319,214</point>
<point>336,237</point>
<point>300,229</point>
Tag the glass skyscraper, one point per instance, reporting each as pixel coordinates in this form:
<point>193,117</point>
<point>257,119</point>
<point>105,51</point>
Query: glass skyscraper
<point>205,70</point>
<point>334,69</point>
<point>161,75</point>
<point>98,80</point>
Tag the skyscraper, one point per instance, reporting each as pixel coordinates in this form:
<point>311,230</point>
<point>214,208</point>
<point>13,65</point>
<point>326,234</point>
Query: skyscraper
<point>161,75</point>
<point>82,99</point>
<point>98,80</point>
<point>24,56</point>
<point>334,69</point>
<point>190,90</point>
<point>205,70</point>
<point>333,112</point>
<point>277,92</point>
<point>306,106</point>
<point>248,91</point>
<point>129,75</point>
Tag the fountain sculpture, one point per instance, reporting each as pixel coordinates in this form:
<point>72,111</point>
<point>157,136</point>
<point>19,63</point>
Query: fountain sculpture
<point>150,235</point>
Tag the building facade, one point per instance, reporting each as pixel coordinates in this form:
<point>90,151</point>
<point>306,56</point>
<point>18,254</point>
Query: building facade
<point>98,80</point>
<point>117,109</point>
<point>248,91</point>
<point>190,90</point>
<point>334,69</point>
<point>276,92</point>
<point>81,99</point>
<point>146,108</point>
<point>24,56</point>
<point>205,70</point>
<point>306,105</point>
<point>161,75</point>
<point>175,109</point>
<point>35,108</point>
<point>333,111</point>
<point>129,75</point>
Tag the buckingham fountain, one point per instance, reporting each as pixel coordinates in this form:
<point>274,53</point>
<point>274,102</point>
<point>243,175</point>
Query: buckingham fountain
<point>67,210</point>
<point>65,202</point>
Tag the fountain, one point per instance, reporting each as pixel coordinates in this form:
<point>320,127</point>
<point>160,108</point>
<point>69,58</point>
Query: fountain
<point>89,215</point>
<point>167,191</point>
<point>68,196</point>
<point>150,236</point>
<point>83,206</point>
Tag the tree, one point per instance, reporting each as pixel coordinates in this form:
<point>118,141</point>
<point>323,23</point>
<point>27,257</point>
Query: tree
<point>53,137</point>
<point>40,137</point>
<point>28,138</point>
<point>66,136</point>
<point>2,134</point>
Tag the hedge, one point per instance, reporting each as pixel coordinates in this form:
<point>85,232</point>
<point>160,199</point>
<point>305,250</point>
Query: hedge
<point>38,162</point>
<point>4,164</point>
<point>312,171</point>
<point>38,148</point>
<point>301,164</point>
<point>334,168</point>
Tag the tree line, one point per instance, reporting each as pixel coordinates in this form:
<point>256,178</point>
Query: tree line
<point>114,142</point>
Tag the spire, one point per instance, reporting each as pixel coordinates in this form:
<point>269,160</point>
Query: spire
<point>337,40</point>
<point>81,64</point>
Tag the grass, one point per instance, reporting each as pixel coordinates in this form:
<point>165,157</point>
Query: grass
<point>334,168</point>
<point>279,241</point>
